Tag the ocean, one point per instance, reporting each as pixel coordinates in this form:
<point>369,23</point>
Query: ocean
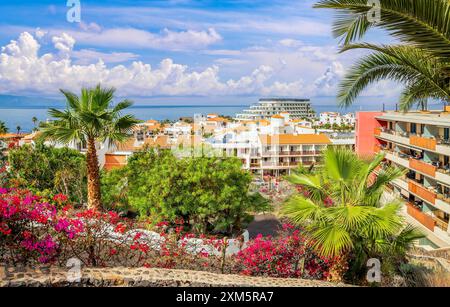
<point>22,116</point>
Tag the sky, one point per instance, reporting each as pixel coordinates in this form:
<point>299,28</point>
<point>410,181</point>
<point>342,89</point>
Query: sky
<point>177,50</point>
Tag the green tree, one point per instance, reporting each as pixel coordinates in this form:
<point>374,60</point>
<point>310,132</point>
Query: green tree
<point>114,188</point>
<point>35,122</point>
<point>343,213</point>
<point>91,118</point>
<point>18,129</point>
<point>3,127</point>
<point>421,60</point>
<point>58,170</point>
<point>210,194</point>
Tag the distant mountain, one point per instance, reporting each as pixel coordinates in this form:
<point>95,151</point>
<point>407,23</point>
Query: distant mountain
<point>10,101</point>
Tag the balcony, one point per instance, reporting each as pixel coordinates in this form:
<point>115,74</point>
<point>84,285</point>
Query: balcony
<point>398,158</point>
<point>443,225</point>
<point>423,167</point>
<point>291,153</point>
<point>392,136</point>
<point>422,192</point>
<point>423,142</point>
<point>424,219</point>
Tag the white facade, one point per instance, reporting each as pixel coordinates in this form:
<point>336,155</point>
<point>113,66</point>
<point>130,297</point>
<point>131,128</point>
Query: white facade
<point>268,107</point>
<point>336,118</point>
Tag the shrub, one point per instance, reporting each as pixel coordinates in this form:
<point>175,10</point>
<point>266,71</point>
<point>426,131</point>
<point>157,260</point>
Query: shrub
<point>33,230</point>
<point>289,255</point>
<point>43,168</point>
<point>210,194</point>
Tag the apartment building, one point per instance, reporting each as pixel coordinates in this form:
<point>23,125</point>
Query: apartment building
<point>278,154</point>
<point>335,118</point>
<point>268,107</point>
<point>419,143</point>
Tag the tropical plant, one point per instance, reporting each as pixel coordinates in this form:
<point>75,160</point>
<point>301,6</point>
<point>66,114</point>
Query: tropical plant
<point>341,208</point>
<point>421,61</point>
<point>18,129</point>
<point>88,119</point>
<point>3,127</point>
<point>35,121</point>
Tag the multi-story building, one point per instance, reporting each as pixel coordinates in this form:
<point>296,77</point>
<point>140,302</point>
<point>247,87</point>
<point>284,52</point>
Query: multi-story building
<point>272,147</point>
<point>278,154</point>
<point>268,107</point>
<point>418,143</point>
<point>335,118</point>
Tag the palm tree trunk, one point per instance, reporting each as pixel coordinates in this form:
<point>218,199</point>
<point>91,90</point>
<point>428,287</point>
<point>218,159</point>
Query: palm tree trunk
<point>93,174</point>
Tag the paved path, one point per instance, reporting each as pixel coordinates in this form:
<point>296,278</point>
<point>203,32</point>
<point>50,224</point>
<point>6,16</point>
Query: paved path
<point>266,224</point>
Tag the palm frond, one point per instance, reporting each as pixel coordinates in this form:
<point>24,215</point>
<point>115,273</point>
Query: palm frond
<point>424,24</point>
<point>301,210</point>
<point>332,240</point>
<point>399,63</point>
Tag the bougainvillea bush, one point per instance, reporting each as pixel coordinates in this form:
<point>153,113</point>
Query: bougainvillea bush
<point>34,230</point>
<point>289,255</point>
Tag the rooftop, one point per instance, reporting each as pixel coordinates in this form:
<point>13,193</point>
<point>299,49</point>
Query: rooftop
<point>285,99</point>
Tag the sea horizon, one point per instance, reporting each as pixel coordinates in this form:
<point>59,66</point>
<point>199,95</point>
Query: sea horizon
<point>22,115</point>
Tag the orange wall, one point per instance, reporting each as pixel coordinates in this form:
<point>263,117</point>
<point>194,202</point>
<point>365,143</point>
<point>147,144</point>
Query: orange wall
<point>365,127</point>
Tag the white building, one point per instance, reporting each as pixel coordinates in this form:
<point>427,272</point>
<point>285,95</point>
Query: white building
<point>268,107</point>
<point>336,118</point>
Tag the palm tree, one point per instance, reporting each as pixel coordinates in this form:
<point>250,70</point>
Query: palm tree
<point>91,118</point>
<point>421,61</point>
<point>34,120</point>
<point>3,128</point>
<point>342,213</point>
<point>18,129</point>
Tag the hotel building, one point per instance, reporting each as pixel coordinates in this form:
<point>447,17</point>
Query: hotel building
<point>418,143</point>
<point>268,107</point>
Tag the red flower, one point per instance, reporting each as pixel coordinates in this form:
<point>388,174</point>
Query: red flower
<point>137,236</point>
<point>120,228</point>
<point>60,198</point>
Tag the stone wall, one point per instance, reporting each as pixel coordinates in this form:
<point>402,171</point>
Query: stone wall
<point>142,277</point>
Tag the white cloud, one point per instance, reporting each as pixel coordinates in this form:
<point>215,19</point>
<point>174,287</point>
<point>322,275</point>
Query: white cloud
<point>136,38</point>
<point>23,69</point>
<point>64,43</point>
<point>89,56</point>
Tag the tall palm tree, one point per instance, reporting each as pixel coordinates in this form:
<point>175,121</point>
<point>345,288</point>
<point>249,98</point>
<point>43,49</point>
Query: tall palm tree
<point>91,118</point>
<point>18,129</point>
<point>422,59</point>
<point>35,121</point>
<point>341,209</point>
<point>3,127</point>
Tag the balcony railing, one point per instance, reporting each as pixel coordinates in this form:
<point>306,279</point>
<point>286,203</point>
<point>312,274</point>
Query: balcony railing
<point>422,192</point>
<point>423,167</point>
<point>291,153</point>
<point>441,224</point>
<point>423,142</point>
<point>423,218</point>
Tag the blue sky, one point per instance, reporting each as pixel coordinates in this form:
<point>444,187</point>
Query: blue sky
<point>181,50</point>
